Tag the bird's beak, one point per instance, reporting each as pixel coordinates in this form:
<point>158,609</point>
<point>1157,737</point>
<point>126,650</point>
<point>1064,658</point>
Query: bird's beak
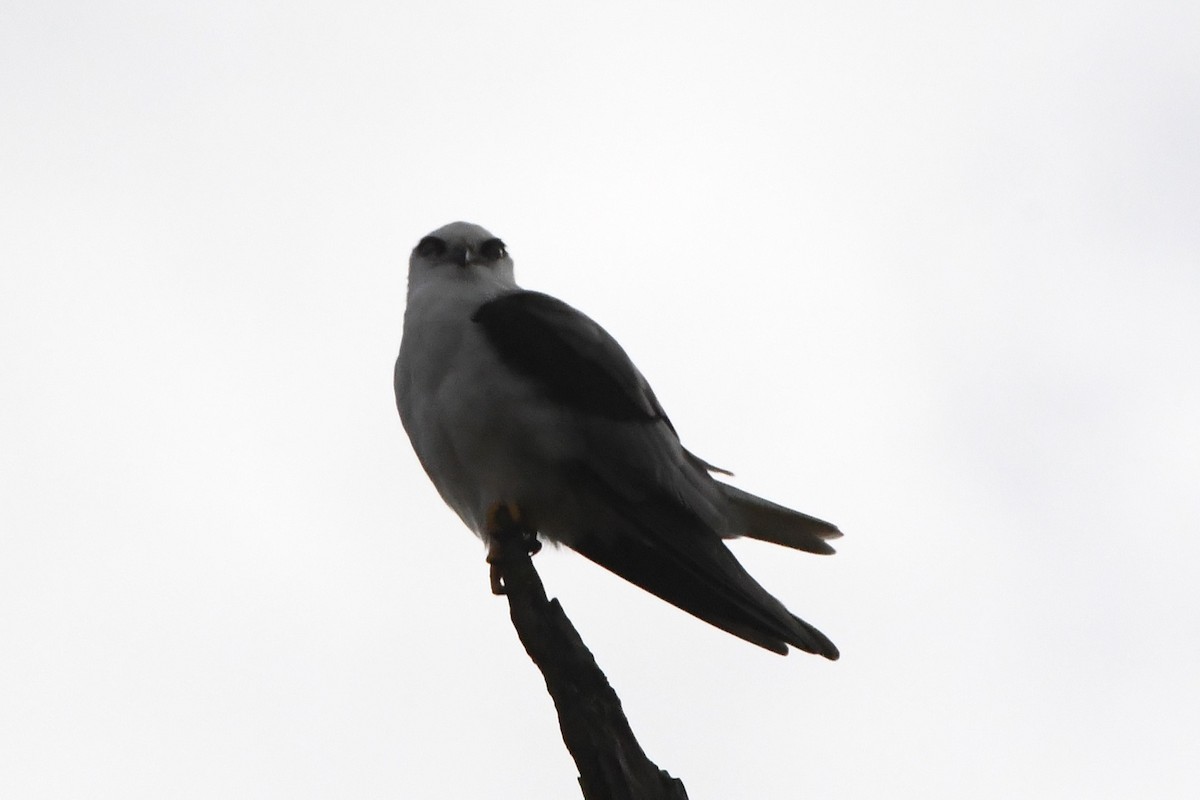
<point>462,256</point>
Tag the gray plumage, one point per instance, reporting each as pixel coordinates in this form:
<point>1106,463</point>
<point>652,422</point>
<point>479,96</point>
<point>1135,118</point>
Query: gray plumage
<point>511,396</point>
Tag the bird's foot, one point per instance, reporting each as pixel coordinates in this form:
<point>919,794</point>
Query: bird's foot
<point>494,573</point>
<point>502,516</point>
<point>504,524</point>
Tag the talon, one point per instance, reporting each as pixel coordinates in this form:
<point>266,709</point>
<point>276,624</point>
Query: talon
<point>504,522</point>
<point>494,577</point>
<point>494,553</point>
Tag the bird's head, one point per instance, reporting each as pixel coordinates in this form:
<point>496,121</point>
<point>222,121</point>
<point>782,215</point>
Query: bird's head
<point>460,252</point>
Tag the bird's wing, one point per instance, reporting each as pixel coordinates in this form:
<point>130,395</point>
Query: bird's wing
<point>573,360</point>
<point>653,514</point>
<point>617,424</point>
<point>665,548</point>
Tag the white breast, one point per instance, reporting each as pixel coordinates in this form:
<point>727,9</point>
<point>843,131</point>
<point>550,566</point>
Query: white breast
<point>476,427</point>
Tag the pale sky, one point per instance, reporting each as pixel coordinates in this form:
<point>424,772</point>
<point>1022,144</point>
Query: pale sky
<point>929,271</point>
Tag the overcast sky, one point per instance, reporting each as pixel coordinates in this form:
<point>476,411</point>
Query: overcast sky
<point>929,271</point>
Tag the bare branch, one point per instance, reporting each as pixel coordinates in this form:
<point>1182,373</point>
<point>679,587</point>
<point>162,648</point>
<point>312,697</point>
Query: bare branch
<point>611,763</point>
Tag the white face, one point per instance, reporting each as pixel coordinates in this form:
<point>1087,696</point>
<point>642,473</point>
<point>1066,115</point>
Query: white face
<point>463,252</point>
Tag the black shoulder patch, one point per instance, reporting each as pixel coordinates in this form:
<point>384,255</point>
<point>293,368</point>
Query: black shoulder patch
<point>571,358</point>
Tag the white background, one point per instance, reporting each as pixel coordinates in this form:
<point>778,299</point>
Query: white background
<point>930,271</point>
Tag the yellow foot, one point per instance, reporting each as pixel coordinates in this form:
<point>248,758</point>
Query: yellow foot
<point>494,575</point>
<point>503,523</point>
<point>502,516</point>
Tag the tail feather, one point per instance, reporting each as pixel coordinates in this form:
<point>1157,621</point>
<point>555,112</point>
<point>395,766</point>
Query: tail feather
<point>666,550</point>
<point>771,522</point>
<point>705,590</point>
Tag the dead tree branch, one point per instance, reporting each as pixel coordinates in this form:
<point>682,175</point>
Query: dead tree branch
<point>611,763</point>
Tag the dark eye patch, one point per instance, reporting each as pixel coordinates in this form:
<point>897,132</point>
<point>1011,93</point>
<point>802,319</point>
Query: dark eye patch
<point>493,249</point>
<point>431,247</point>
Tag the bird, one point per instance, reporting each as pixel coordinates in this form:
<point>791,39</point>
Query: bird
<point>520,407</point>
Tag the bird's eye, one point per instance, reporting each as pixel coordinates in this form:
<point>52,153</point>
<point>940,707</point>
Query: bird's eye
<point>493,249</point>
<point>431,247</point>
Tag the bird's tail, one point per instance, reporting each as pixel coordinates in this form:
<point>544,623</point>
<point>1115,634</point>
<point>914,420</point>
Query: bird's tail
<point>771,522</point>
<point>668,551</point>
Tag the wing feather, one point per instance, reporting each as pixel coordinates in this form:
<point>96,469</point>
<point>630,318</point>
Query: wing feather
<point>574,360</point>
<point>645,508</point>
<point>668,551</point>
